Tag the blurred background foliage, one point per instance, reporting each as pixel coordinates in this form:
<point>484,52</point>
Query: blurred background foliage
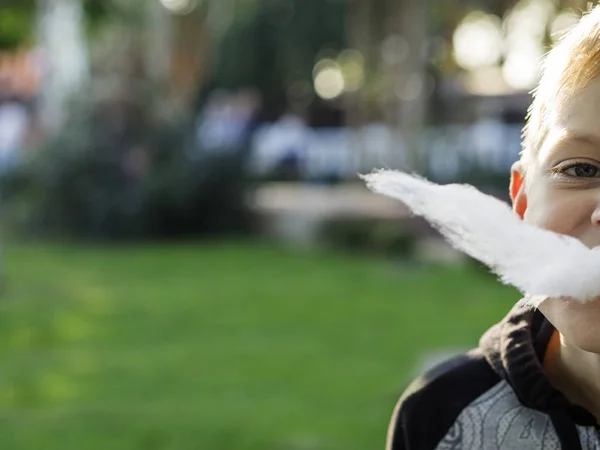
<point>141,81</point>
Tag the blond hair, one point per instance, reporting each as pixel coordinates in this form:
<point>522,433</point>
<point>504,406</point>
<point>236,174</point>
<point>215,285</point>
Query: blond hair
<point>567,69</point>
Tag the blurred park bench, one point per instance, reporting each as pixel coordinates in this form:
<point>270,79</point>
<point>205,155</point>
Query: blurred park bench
<point>295,213</point>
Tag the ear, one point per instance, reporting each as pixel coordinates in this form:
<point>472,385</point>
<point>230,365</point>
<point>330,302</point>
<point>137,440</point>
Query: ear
<point>517,189</point>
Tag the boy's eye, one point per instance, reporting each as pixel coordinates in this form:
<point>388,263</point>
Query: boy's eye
<point>582,170</point>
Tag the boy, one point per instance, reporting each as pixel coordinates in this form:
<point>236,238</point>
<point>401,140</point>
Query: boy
<point>534,381</point>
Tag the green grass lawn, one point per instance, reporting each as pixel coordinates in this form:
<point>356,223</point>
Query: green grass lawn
<point>220,346</point>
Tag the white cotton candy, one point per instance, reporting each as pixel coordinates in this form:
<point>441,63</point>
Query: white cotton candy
<point>538,262</point>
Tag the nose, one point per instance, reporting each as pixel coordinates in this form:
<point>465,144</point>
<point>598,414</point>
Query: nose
<point>596,216</point>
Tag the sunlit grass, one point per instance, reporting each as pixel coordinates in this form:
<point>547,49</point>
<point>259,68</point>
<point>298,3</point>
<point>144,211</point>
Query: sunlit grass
<point>220,346</point>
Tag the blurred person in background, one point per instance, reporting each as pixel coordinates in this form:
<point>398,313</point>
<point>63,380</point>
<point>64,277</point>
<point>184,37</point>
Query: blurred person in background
<point>19,79</point>
<point>533,382</point>
<point>227,119</point>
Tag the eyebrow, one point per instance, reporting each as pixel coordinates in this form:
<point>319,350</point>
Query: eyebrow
<point>578,138</point>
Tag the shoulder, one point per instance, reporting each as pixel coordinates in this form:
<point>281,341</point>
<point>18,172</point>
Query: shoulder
<point>432,402</point>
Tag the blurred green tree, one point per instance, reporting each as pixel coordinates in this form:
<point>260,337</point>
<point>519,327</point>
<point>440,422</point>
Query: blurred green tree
<point>17,21</point>
<point>274,44</point>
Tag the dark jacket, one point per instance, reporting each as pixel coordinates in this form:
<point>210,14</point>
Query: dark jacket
<point>494,397</point>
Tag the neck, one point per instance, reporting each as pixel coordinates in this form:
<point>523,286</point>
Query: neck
<point>575,373</point>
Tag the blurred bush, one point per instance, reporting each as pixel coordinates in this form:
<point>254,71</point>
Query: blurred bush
<point>380,237</point>
<point>120,171</point>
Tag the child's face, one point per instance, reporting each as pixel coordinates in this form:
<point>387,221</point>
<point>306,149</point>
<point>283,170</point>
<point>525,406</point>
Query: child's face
<point>562,193</point>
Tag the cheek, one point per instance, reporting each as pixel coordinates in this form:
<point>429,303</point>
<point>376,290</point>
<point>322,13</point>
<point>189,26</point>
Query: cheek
<point>561,211</point>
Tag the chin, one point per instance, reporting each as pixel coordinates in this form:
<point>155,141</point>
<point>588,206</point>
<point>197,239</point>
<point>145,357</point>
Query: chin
<point>577,322</point>
<point>590,344</point>
<point>587,339</point>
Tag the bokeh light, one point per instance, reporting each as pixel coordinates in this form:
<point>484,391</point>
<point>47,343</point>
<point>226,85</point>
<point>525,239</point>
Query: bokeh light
<point>487,81</point>
<point>179,6</point>
<point>526,27</point>
<point>329,82</point>
<point>394,49</point>
<point>411,88</point>
<point>352,66</point>
<point>562,23</point>
<point>521,68</point>
<point>478,41</point>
